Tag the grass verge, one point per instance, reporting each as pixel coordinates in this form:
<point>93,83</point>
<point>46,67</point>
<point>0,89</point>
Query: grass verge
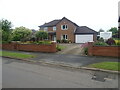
<point>60,47</point>
<point>15,55</point>
<point>106,65</point>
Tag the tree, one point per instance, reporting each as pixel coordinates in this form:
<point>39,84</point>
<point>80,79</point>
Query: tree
<point>114,30</point>
<point>41,35</point>
<point>5,29</point>
<point>101,30</point>
<point>21,34</point>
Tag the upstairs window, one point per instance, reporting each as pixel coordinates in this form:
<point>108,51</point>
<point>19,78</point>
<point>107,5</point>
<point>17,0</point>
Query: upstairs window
<point>64,27</point>
<point>45,28</point>
<point>54,28</point>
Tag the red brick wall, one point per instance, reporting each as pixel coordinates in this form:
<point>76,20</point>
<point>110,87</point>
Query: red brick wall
<point>113,51</point>
<point>31,47</point>
<point>10,46</point>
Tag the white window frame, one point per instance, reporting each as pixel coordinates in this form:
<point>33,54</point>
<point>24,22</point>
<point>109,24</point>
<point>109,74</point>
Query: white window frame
<point>66,27</point>
<point>45,28</point>
<point>54,28</point>
<point>65,37</point>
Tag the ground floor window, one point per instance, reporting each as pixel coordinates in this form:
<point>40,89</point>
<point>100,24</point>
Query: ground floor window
<point>64,37</point>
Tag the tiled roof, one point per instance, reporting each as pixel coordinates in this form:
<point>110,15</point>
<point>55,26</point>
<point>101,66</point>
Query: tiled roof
<point>84,30</point>
<point>50,24</point>
<point>55,22</point>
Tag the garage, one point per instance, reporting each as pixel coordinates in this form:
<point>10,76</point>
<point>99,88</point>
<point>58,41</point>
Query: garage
<point>83,38</point>
<point>84,34</point>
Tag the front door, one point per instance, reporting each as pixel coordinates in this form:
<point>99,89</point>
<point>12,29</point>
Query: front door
<point>54,38</point>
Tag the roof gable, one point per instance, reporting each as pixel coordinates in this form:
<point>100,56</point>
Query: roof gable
<point>68,20</point>
<point>55,22</point>
<point>84,30</point>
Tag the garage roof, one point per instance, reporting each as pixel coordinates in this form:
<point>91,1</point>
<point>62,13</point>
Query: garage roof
<point>84,30</point>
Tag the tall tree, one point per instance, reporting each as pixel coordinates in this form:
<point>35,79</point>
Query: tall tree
<point>41,35</point>
<point>101,30</point>
<point>114,30</point>
<point>21,34</point>
<point>5,27</point>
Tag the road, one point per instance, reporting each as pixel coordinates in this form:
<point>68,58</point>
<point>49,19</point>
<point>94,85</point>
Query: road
<point>20,74</point>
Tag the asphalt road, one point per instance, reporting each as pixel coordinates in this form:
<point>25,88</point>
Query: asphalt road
<point>19,74</point>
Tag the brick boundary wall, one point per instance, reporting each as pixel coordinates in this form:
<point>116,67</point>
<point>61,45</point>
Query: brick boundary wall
<point>30,47</point>
<point>113,51</point>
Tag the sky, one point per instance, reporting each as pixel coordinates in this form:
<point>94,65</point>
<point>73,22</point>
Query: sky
<point>96,14</point>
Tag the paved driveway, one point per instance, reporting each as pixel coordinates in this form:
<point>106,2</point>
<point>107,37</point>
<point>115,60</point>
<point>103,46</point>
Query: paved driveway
<point>72,49</point>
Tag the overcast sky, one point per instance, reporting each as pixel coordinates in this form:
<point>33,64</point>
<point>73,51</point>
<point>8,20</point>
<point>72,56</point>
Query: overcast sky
<point>95,14</point>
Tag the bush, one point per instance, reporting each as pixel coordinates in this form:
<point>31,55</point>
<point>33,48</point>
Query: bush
<point>42,42</point>
<point>58,41</point>
<point>58,48</point>
<point>110,41</point>
<point>64,41</point>
<point>118,43</point>
<point>101,43</point>
<point>101,39</point>
<point>86,51</point>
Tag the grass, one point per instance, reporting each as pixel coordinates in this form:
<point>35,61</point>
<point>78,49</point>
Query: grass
<point>107,65</point>
<point>15,55</point>
<point>60,47</point>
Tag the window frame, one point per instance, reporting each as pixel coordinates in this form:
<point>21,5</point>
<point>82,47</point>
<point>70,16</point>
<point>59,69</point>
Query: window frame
<point>66,37</point>
<point>45,28</point>
<point>54,28</point>
<point>66,27</point>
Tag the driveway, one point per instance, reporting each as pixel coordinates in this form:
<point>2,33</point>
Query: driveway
<point>72,49</point>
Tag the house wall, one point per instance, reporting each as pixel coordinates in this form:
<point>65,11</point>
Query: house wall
<point>49,28</point>
<point>69,32</point>
<point>94,37</point>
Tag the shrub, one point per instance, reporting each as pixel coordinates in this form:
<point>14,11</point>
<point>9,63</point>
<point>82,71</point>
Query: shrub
<point>86,51</point>
<point>110,41</point>
<point>58,41</point>
<point>43,42</point>
<point>64,41</point>
<point>101,43</point>
<point>101,39</point>
<point>69,41</point>
<point>58,48</point>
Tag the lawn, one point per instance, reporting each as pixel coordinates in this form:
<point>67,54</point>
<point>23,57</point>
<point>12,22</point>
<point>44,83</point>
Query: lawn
<point>60,47</point>
<point>15,55</point>
<point>106,65</point>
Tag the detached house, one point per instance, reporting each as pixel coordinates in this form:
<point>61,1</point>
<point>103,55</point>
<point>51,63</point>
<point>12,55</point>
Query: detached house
<point>68,30</point>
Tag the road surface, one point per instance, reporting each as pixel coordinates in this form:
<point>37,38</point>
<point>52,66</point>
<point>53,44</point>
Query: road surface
<point>20,74</point>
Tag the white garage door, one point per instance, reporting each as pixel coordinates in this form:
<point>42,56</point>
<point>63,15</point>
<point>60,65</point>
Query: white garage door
<point>83,38</point>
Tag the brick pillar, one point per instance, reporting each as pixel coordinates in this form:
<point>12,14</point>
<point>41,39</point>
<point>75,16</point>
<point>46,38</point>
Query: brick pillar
<point>90,48</point>
<point>53,49</point>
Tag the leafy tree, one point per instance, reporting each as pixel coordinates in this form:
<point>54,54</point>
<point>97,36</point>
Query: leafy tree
<point>101,30</point>
<point>41,35</point>
<point>21,34</point>
<point>5,29</point>
<point>114,30</point>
